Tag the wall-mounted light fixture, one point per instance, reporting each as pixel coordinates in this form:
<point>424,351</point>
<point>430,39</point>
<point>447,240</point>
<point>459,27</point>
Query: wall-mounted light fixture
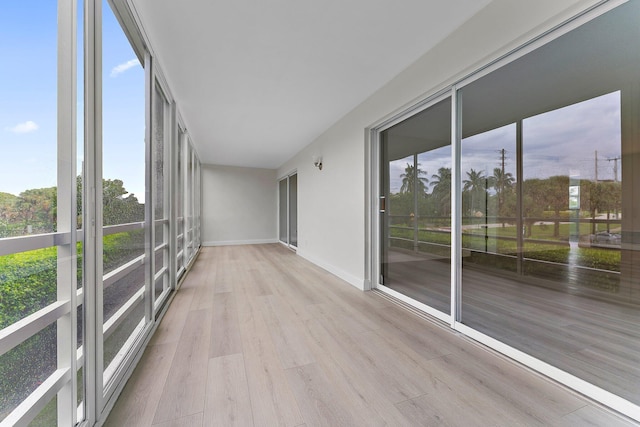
<point>317,162</point>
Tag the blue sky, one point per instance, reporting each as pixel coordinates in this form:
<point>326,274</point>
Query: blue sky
<point>558,142</point>
<point>28,118</point>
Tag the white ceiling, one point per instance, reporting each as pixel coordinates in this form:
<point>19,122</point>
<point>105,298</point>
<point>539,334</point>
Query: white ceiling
<point>257,81</point>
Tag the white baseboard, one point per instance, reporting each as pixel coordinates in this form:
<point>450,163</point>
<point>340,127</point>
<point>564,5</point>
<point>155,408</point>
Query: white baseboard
<point>239,242</point>
<point>349,278</point>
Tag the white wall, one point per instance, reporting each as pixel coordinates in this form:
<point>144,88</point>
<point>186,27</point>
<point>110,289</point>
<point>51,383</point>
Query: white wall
<point>331,202</point>
<point>239,205</point>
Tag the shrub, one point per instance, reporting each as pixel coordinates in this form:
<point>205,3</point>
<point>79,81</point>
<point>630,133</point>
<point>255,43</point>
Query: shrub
<point>28,283</point>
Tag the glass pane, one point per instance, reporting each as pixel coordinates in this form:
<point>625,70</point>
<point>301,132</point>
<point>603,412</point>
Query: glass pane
<point>489,203</point>
<point>48,417</point>
<point>28,107</point>
<point>25,367</point>
<point>293,209</point>
<point>123,184</point>
<point>416,224</point>
<point>180,200</point>
<point>160,135</point>
<point>557,275</point>
<point>284,236</point>
<point>27,283</point>
<point>120,335</point>
<point>121,248</point>
<point>188,191</point>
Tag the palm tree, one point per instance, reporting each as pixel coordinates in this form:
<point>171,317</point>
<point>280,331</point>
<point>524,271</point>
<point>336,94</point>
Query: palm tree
<point>441,183</point>
<point>475,184</point>
<point>412,177</point>
<point>502,181</point>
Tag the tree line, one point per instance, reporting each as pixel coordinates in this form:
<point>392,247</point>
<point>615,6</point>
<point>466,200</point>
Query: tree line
<point>34,211</point>
<point>496,196</point>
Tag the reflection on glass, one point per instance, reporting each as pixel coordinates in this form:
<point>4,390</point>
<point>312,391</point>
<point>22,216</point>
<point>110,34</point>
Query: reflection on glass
<point>416,225</point>
<point>573,200</point>
<point>489,199</point>
<point>550,253</point>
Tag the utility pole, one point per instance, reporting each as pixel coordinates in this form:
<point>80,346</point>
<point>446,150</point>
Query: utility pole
<point>615,167</point>
<point>596,166</point>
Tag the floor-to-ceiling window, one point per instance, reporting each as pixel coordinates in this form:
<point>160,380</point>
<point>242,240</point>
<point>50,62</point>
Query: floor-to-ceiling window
<point>123,196</point>
<point>189,201</point>
<point>416,219</point>
<point>288,210</point>
<point>75,193</point>
<point>161,142</point>
<point>38,228</point>
<point>543,215</point>
<point>191,177</point>
<point>179,199</point>
<point>556,154</point>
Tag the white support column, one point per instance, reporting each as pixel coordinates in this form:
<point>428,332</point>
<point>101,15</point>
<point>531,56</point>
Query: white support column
<point>66,207</point>
<point>92,211</point>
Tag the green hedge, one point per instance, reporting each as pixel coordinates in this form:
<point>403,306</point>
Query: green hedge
<point>28,283</point>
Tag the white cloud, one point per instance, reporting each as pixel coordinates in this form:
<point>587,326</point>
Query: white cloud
<point>26,127</point>
<point>121,68</point>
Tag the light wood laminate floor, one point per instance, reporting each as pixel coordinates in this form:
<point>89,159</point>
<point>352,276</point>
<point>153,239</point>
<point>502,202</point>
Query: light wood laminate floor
<point>595,339</point>
<point>258,336</point>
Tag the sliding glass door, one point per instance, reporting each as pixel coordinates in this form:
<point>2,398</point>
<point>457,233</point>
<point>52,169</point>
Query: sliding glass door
<point>415,249</point>
<point>288,210</point>
<point>552,274</point>
<point>523,234</point>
